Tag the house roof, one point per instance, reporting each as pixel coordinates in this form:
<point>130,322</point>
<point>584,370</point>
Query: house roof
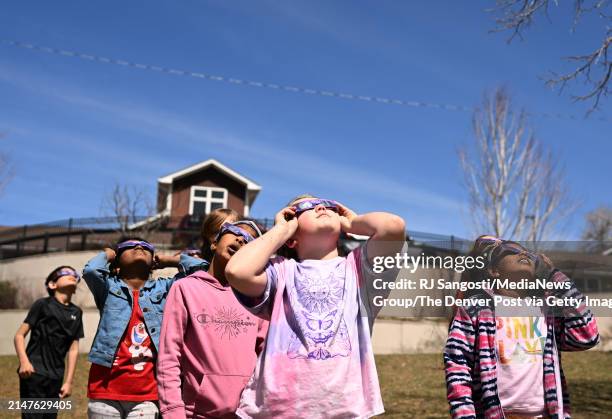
<point>251,186</point>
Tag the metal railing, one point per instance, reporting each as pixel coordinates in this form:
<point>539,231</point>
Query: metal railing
<point>93,233</point>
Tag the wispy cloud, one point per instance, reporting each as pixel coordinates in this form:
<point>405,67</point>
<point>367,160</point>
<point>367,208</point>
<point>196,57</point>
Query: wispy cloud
<point>284,162</point>
<point>334,23</point>
<point>288,164</point>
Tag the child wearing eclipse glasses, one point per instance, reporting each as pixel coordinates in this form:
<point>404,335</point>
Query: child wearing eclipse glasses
<point>210,228</point>
<point>317,359</point>
<point>502,360</point>
<point>131,304</point>
<point>209,342</point>
<point>56,325</point>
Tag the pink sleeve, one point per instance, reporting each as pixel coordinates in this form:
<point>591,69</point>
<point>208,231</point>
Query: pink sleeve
<point>575,328</point>
<point>169,358</point>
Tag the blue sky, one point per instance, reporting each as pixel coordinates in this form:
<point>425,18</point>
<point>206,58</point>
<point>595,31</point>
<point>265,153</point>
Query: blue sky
<point>75,127</point>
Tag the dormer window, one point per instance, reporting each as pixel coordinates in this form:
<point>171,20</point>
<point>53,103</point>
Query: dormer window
<point>205,199</point>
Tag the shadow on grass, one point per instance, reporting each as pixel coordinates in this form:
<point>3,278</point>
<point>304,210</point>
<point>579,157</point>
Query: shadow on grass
<point>591,398</point>
<point>412,385</point>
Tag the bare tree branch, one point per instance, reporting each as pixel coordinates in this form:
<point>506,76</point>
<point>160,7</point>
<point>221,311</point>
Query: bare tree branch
<point>593,69</point>
<point>596,61</point>
<point>516,189</point>
<point>599,227</point>
<point>127,204</point>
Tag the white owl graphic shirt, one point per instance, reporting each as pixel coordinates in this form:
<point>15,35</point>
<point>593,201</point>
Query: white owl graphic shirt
<point>317,359</point>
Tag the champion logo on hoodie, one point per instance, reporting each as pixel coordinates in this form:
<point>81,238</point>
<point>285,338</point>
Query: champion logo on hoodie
<point>228,322</point>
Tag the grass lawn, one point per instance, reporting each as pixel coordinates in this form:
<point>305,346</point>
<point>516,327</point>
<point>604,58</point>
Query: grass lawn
<point>412,385</point>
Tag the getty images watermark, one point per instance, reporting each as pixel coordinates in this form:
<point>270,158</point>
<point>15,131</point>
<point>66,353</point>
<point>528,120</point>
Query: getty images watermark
<point>549,282</point>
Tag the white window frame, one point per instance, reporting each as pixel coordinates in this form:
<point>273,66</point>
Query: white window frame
<point>209,199</point>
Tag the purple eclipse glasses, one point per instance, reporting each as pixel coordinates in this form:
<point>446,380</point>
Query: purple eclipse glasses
<point>235,229</point>
<point>67,272</point>
<point>488,239</point>
<point>505,249</point>
<point>498,248</point>
<point>130,244</point>
<point>309,204</point>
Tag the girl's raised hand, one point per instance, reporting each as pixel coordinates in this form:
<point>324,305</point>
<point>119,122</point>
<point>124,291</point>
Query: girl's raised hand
<point>286,217</point>
<point>158,262</point>
<point>547,261</point>
<point>346,217</point>
<point>110,254</point>
<point>165,261</point>
<point>543,266</point>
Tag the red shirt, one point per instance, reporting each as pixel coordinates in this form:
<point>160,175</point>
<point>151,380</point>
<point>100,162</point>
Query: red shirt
<point>132,375</point>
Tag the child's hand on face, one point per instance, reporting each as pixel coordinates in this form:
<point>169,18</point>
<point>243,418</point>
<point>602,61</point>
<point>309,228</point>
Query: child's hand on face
<point>543,266</point>
<point>110,254</point>
<point>165,261</point>
<point>287,218</point>
<point>158,262</point>
<point>346,217</point>
<point>547,261</point>
<point>26,369</point>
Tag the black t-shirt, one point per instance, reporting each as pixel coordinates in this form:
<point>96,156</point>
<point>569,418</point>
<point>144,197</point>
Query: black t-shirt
<point>54,326</point>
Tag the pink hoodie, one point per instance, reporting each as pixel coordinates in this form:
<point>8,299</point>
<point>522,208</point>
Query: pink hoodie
<point>207,349</point>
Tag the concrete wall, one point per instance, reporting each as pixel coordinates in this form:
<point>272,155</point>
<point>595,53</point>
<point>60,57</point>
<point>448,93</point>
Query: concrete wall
<point>11,319</point>
<point>401,336</point>
<point>391,336</point>
<point>29,274</point>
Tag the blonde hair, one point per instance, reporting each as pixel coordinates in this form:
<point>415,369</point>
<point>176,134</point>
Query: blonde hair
<point>285,250</point>
<point>300,197</point>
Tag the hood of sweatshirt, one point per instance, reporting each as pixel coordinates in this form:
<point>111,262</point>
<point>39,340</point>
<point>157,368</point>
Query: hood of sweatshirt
<point>211,280</point>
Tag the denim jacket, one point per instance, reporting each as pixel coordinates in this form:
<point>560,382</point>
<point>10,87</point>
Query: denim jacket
<point>113,298</point>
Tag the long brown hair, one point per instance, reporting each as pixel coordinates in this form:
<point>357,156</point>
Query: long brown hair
<point>480,248</point>
<point>211,225</point>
